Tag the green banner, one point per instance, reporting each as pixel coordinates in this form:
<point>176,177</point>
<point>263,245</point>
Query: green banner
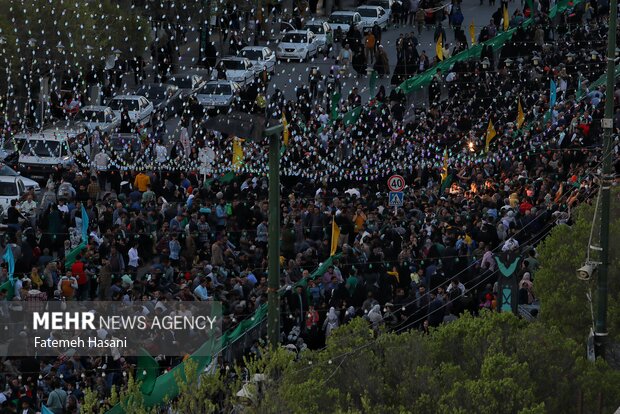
<point>72,255</point>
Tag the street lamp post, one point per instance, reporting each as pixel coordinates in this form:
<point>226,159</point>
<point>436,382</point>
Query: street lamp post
<point>273,262</point>
<point>248,126</point>
<point>606,182</point>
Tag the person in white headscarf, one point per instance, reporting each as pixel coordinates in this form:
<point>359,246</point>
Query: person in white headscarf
<point>331,322</point>
<point>526,289</point>
<point>375,317</point>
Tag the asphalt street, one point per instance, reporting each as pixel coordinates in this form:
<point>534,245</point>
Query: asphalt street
<point>289,75</point>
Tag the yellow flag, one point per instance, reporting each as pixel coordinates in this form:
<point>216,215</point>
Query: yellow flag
<point>439,48</point>
<point>490,134</point>
<point>237,156</point>
<point>335,236</point>
<point>444,170</point>
<point>520,115</point>
<point>506,18</point>
<point>472,32</point>
<point>285,130</point>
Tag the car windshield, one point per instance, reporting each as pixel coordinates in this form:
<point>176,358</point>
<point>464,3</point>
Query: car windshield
<point>42,148</point>
<point>8,189</point>
<point>367,12</point>
<point>233,64</point>
<point>252,54</point>
<point>90,116</point>
<point>216,89</point>
<point>341,18</point>
<point>294,38</point>
<point>5,170</point>
<point>152,92</point>
<point>316,28</point>
<point>183,82</point>
<point>119,104</point>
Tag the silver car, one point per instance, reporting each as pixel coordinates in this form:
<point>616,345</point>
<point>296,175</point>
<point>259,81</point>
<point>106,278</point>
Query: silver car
<point>261,57</point>
<point>94,116</point>
<point>218,96</point>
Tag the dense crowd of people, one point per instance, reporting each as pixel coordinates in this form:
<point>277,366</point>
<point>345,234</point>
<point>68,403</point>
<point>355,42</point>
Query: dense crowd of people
<point>167,234</point>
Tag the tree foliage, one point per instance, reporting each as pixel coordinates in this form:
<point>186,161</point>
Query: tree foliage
<point>102,25</point>
<point>495,363</point>
<point>563,297</point>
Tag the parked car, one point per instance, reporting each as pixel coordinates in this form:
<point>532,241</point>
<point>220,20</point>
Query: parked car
<point>126,147</point>
<point>298,44</point>
<point>386,4</point>
<point>371,15</point>
<point>238,69</point>
<point>11,188</point>
<point>93,116</point>
<point>6,171</point>
<point>218,96</point>
<point>140,108</point>
<point>319,28</point>
<point>166,97</point>
<point>260,57</point>
<point>344,20</point>
<point>189,81</point>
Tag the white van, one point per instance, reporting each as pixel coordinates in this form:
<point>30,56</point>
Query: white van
<point>41,152</point>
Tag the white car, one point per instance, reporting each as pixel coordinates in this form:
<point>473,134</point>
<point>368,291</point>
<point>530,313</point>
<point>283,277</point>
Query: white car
<point>344,20</point>
<point>11,188</point>
<point>94,116</point>
<point>386,4</point>
<point>320,29</point>
<point>298,44</point>
<point>238,69</point>
<point>218,96</point>
<point>261,58</point>
<point>140,108</point>
<point>6,171</point>
<point>371,15</point>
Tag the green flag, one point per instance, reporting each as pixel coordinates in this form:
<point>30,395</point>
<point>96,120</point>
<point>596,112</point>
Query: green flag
<point>352,116</point>
<point>147,372</point>
<point>335,105</point>
<point>372,83</point>
<point>579,93</point>
<point>71,257</point>
<point>562,5</point>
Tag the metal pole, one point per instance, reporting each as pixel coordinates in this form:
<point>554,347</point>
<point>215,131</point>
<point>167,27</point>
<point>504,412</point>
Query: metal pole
<point>606,181</point>
<point>273,315</point>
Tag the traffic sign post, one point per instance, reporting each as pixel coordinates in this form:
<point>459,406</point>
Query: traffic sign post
<point>396,199</point>
<point>396,183</point>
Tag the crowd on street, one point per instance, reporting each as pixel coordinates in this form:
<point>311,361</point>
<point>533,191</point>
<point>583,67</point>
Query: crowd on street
<point>168,234</point>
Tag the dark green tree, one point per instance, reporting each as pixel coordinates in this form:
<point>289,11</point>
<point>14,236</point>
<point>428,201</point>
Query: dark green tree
<point>564,303</point>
